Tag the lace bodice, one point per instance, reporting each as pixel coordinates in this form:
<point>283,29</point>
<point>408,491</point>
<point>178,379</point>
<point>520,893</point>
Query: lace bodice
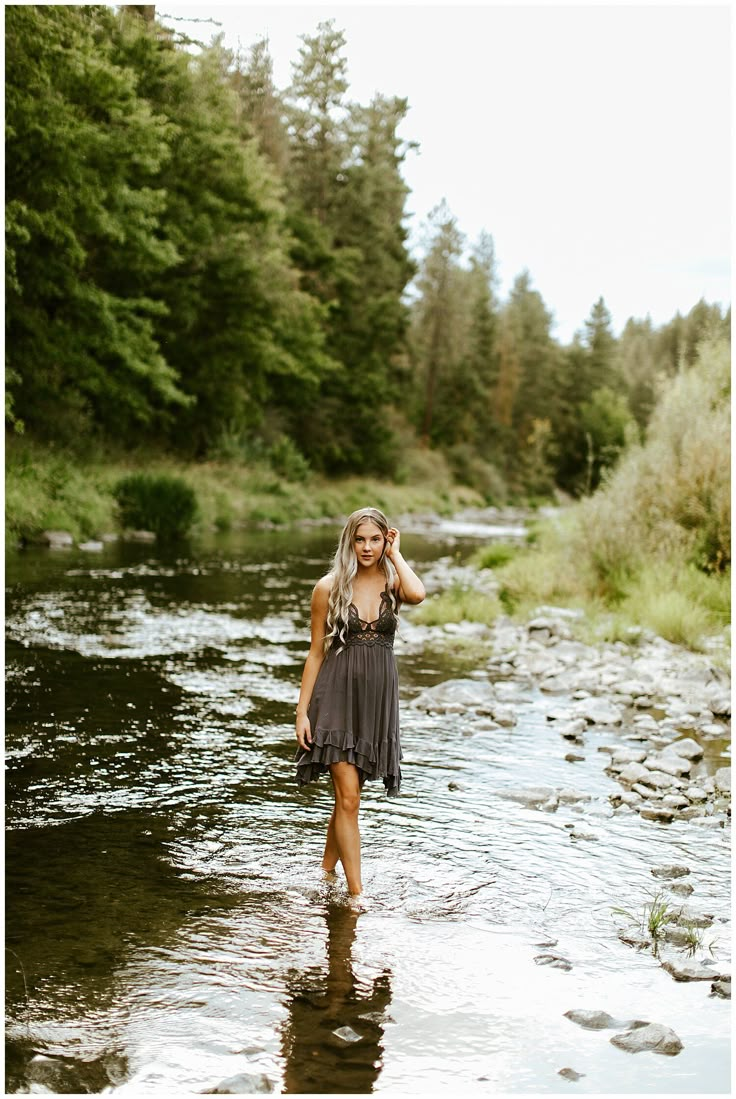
<point>378,632</point>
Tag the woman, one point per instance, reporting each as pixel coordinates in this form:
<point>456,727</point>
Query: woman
<point>347,718</point>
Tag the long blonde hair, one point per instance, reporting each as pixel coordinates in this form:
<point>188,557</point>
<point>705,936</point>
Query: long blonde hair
<point>344,569</point>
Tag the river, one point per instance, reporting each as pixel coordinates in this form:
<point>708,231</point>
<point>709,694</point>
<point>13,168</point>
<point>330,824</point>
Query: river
<point>168,926</point>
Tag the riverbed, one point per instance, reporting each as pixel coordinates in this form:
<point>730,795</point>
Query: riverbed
<point>168,926</point>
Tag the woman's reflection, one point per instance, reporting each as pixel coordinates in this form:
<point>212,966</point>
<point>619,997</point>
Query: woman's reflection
<point>332,1038</point>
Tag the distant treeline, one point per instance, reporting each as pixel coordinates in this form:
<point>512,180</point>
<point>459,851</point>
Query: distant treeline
<point>201,261</point>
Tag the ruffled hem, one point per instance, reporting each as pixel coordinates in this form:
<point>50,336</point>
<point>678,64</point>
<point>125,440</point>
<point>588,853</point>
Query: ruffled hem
<point>337,746</point>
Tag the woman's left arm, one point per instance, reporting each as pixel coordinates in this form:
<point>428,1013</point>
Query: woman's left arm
<point>411,588</point>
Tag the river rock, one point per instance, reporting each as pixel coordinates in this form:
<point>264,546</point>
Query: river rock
<point>567,796</point>
<point>92,547</point>
<point>695,793</point>
<point>594,1020</point>
<point>675,801</point>
<point>721,989</point>
<point>628,755</point>
<point>139,536</point>
<point>652,1036</point>
<point>722,780</point>
<point>662,780</point>
<point>646,791</point>
<point>691,918</point>
<point>630,798</point>
<point>719,703</point>
<point>682,888</point>
<point>243,1084</point>
<point>570,1074</point>
<point>670,763</point>
<point>347,1034</point>
<point>573,757</point>
<point>457,696</point>
<point>691,971</point>
<point>598,711</point>
<point>555,961</point>
<point>634,772</point>
<point>504,715</point>
<point>651,812</point>
<point>57,539</point>
<point>534,797</point>
<point>672,870</point>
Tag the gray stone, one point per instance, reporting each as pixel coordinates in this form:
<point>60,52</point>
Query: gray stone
<point>242,1084</point>
<point>570,1074</point>
<point>692,812</point>
<point>672,870</point>
<point>534,797</point>
<point>644,791</point>
<point>691,918</point>
<point>675,801</point>
<point>572,757</point>
<point>652,1036</point>
<point>669,763</point>
<point>662,780</point>
<point>347,1034</point>
<point>567,796</point>
<point>682,888</point>
<point>139,536</point>
<point>722,780</point>
<point>692,971</point>
<point>594,1020</point>
<point>92,547</point>
<point>504,715</point>
<point>57,539</point>
<point>719,704</point>
<point>634,772</point>
<point>721,989</point>
<point>458,696</point>
<point>713,731</point>
<point>598,711</point>
<point>695,793</point>
<point>664,816</point>
<point>628,755</point>
<point>630,798</point>
<point>555,961</point>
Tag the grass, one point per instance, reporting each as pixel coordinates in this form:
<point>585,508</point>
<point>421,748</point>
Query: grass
<point>458,604</point>
<point>654,916</point>
<point>47,489</point>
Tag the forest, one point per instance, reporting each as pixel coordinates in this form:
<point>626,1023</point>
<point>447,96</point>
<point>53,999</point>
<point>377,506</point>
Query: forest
<point>201,263</point>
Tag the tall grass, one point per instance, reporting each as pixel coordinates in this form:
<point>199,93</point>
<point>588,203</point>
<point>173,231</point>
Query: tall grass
<point>652,546</point>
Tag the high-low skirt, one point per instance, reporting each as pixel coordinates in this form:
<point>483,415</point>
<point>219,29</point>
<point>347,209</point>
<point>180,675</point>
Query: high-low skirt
<point>354,716</point>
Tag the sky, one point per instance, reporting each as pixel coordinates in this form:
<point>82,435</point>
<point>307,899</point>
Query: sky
<point>592,141</point>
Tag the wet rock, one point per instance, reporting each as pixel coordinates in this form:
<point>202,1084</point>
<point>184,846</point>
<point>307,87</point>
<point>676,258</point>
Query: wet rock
<point>628,755</point>
<point>139,536</point>
<point>721,989</point>
<point>672,870</point>
<point>695,793</point>
<point>577,833</point>
<point>572,730</point>
<point>682,888</point>
<point>630,798</point>
<point>504,715</point>
<point>692,971</point>
<point>347,1034</point>
<point>566,796</point>
<point>652,1036</point>
<point>92,547</point>
<point>457,696</point>
<point>57,539</point>
<point>598,711</point>
<point>662,781</point>
<point>570,1074</point>
<point>634,773</point>
<point>534,797</point>
<point>670,763</point>
<point>719,703</point>
<point>554,961</point>
<point>573,757</point>
<point>722,780</point>
<point>594,1020</point>
<point>635,939</point>
<point>664,816</point>
<point>675,801</point>
<point>243,1084</point>
<point>690,918</point>
<point>678,936</point>
<point>692,812</point>
<point>713,731</point>
<point>643,791</point>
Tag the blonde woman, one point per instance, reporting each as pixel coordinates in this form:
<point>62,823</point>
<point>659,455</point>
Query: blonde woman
<point>347,717</point>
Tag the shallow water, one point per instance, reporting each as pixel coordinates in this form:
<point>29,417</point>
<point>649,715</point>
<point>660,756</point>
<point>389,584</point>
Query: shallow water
<point>168,924</point>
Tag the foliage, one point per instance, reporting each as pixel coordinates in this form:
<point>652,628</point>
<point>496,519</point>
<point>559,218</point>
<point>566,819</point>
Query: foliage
<point>163,504</point>
<point>458,604</point>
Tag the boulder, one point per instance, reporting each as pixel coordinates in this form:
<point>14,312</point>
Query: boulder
<point>672,870</point>
<point>57,539</point>
<point>652,1036</point>
<point>457,696</point>
<point>722,780</point>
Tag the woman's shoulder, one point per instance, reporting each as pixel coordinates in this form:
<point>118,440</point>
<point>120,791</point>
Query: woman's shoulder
<point>324,584</point>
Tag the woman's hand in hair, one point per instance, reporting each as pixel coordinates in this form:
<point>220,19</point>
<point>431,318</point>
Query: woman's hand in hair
<point>393,538</point>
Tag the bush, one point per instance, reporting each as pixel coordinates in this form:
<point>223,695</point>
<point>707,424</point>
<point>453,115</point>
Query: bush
<point>495,555</point>
<point>166,505</point>
<point>287,460</point>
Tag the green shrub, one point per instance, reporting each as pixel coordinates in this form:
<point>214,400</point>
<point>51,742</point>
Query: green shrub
<point>495,555</point>
<point>458,604</point>
<point>287,460</point>
<point>164,504</point>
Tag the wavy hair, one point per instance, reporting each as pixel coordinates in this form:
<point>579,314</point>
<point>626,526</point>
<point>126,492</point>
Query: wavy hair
<point>344,569</point>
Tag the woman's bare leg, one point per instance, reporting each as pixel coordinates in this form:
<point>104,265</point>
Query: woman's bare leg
<point>345,827</point>
<point>331,855</point>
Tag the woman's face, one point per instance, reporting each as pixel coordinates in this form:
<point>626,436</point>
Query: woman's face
<point>368,543</point>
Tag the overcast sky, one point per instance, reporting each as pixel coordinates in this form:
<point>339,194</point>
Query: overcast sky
<point>592,142</point>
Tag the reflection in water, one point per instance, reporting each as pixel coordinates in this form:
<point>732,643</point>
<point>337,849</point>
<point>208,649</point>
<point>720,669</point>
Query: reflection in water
<point>332,1039</point>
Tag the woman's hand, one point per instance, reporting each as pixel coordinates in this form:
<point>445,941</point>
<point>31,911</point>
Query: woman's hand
<point>303,732</point>
<point>394,542</point>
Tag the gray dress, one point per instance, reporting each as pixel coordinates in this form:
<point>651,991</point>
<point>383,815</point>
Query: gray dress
<point>354,709</point>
